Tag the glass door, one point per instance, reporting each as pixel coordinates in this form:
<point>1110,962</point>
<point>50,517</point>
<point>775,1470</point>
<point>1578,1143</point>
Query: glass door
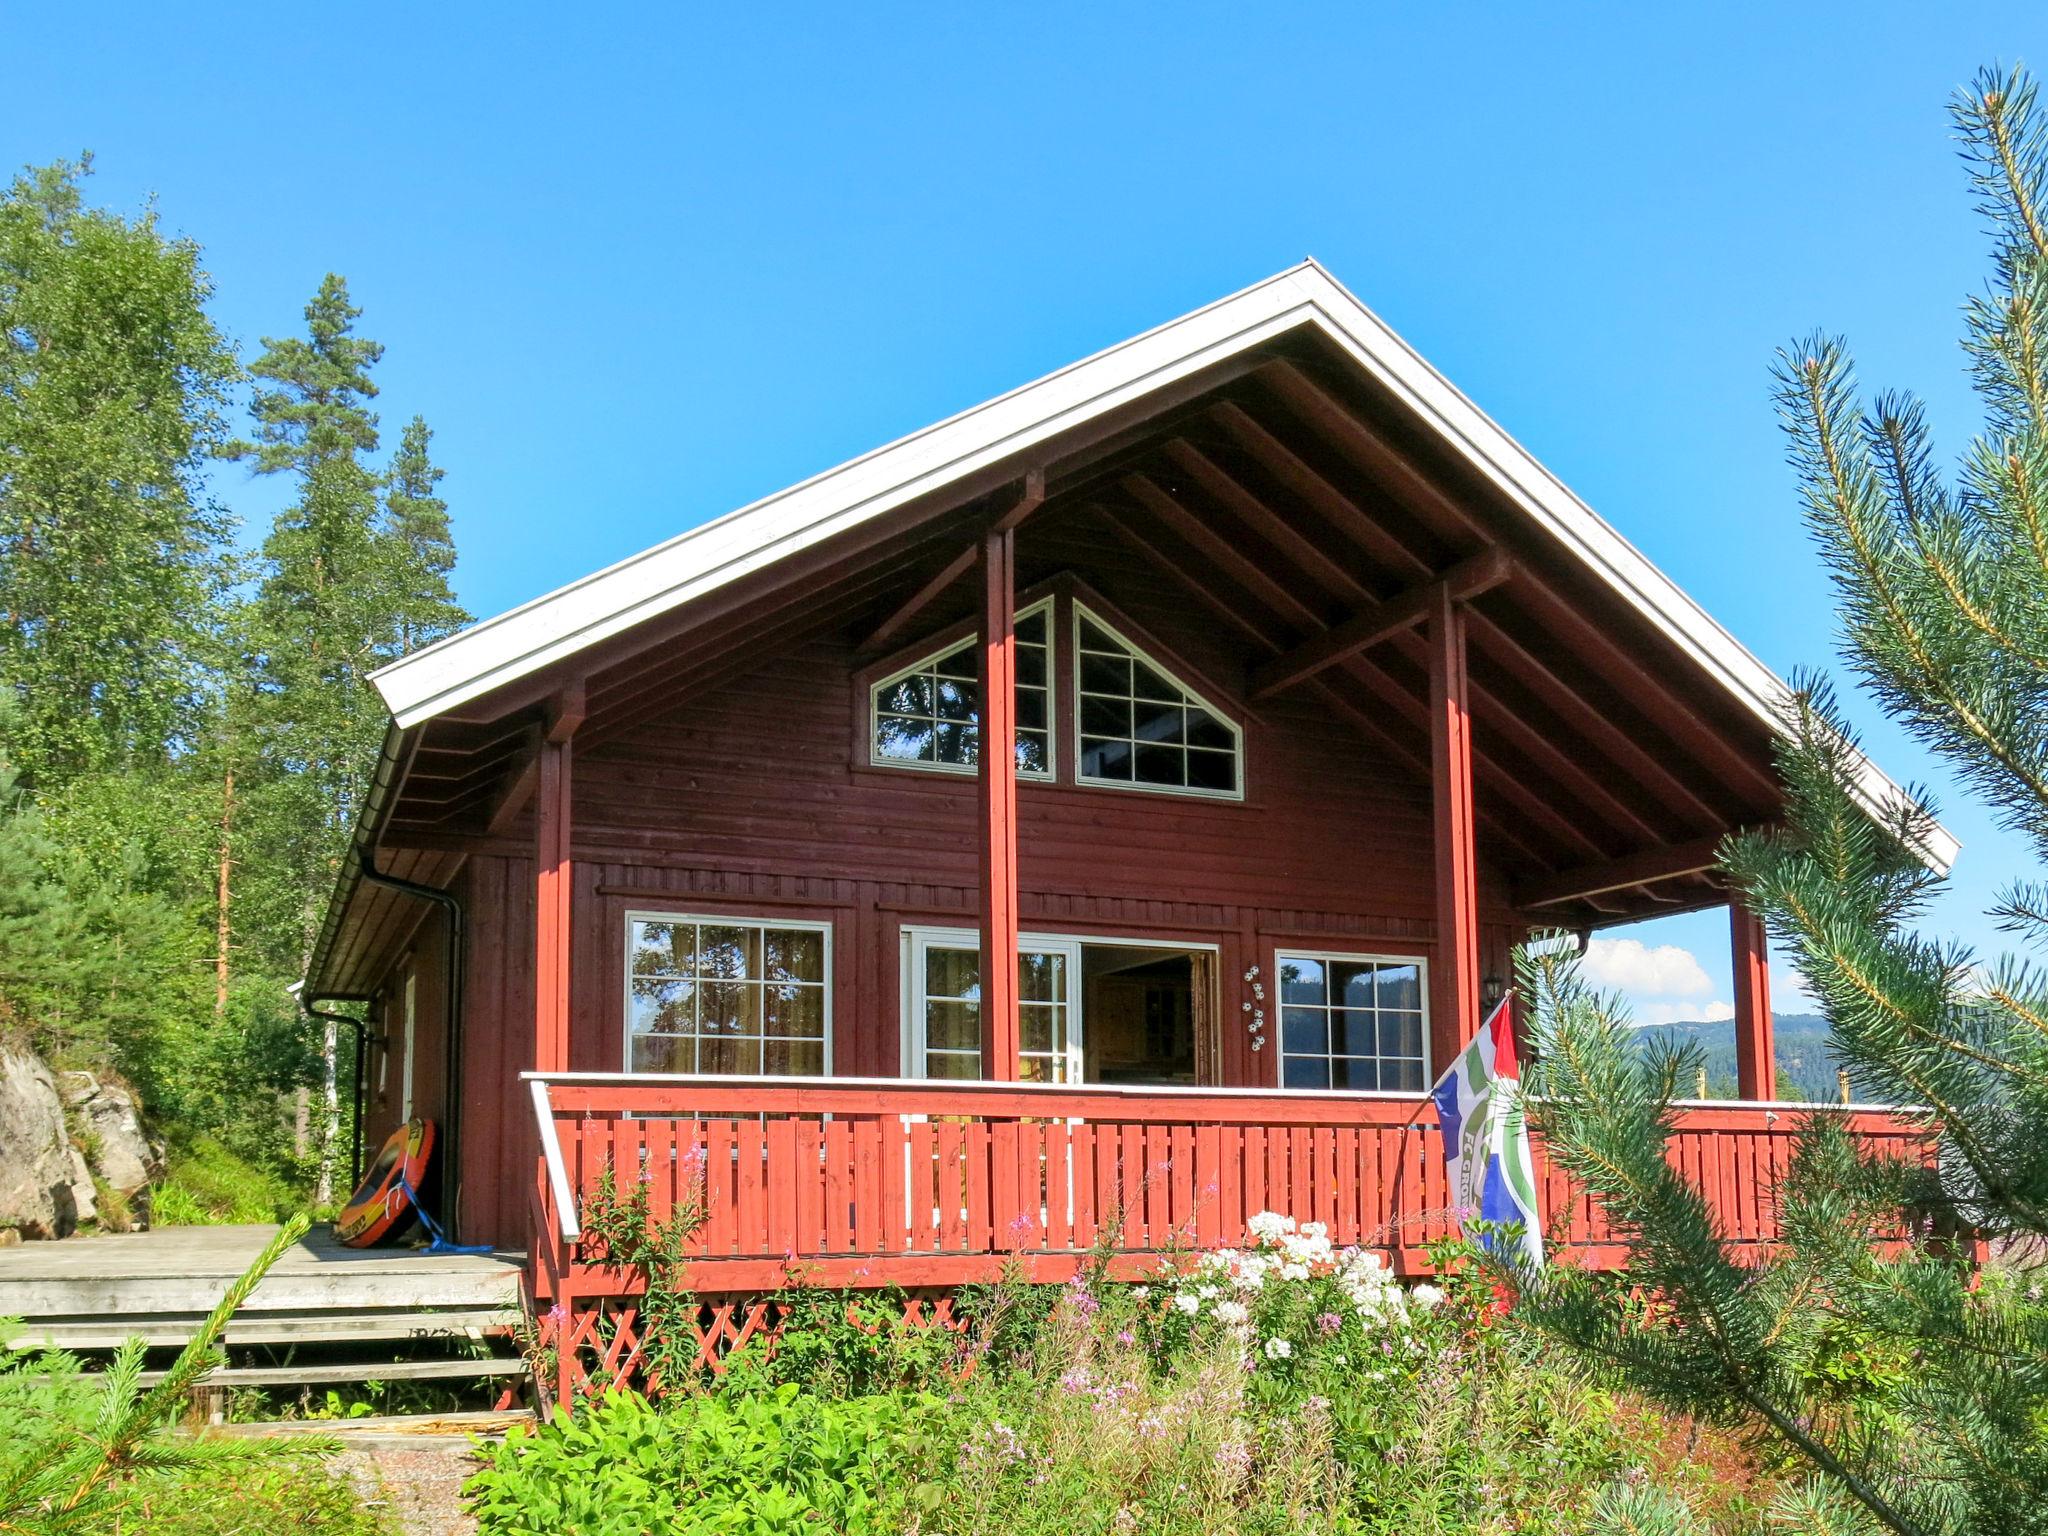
<point>942,999</point>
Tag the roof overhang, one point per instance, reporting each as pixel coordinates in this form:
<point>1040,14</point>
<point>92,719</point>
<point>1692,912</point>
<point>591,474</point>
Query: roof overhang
<point>553,630</point>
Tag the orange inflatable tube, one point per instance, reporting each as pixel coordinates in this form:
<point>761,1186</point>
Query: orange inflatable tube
<point>382,1205</point>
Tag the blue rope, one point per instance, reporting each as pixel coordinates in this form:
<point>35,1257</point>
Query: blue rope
<point>440,1243</point>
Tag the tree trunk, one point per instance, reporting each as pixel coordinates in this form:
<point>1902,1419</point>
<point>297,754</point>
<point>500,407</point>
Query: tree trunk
<point>222,929</point>
<point>330,1116</point>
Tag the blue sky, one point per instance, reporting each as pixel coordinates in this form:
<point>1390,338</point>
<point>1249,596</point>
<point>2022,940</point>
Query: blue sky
<point>640,266</point>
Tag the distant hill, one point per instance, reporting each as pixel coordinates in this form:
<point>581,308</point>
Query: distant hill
<point>1806,1064</point>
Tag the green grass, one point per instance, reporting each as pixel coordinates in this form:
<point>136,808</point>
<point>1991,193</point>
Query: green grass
<point>208,1185</point>
<point>304,1499</point>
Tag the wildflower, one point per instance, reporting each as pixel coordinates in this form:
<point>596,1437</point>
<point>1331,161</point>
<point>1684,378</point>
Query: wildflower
<point>1427,1297</point>
<point>1077,1379</point>
<point>1330,1323</point>
<point>1234,1459</point>
<point>1279,1349</point>
<point>1232,1312</point>
<point>1125,1337</point>
<point>1188,1303</point>
<point>558,1315</point>
<point>1141,1292</point>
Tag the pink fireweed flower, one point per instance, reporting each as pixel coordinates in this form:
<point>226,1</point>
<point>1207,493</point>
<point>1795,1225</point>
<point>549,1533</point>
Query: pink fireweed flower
<point>1125,1337</point>
<point>1329,1323</point>
<point>558,1315</point>
<point>1076,1379</point>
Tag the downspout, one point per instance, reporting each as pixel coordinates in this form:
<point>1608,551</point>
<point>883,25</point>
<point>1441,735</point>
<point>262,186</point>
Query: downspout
<point>458,938</point>
<point>361,1027</point>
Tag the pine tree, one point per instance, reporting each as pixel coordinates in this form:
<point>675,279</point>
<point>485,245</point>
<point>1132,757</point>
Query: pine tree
<point>1866,1342</point>
<point>416,526</point>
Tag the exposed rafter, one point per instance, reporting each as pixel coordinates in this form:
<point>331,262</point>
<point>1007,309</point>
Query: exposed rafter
<point>1630,870</point>
<point>1028,500</point>
<point>1461,583</point>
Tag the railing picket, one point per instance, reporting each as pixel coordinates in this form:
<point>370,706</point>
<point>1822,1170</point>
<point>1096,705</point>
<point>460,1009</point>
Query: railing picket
<point>975,1148</point>
<point>810,1187</point>
<point>838,1185</point>
<point>1181,1185</point>
<point>895,1151</point>
<point>1208,1182</point>
<point>951,1171</point>
<point>1134,1183</point>
<point>867,1185</point>
<point>1252,1197</point>
<point>1344,1156</point>
<point>1059,1186</point>
<point>1279,1189</point>
<point>782,1175</point>
<point>1158,1187</point>
<point>921,1200</point>
<point>661,1166</point>
<point>1230,1211</point>
<point>1008,1221</point>
<point>1083,1160</point>
<point>718,1187</point>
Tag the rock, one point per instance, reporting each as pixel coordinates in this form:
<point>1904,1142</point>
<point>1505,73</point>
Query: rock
<point>45,1185</point>
<point>107,1117</point>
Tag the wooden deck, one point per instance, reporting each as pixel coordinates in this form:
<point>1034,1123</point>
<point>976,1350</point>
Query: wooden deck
<point>93,1292</point>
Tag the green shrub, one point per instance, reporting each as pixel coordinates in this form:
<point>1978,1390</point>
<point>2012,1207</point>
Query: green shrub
<point>207,1185</point>
<point>760,1463</point>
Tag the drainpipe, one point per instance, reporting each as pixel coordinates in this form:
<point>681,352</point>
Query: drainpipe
<point>451,1117</point>
<point>361,1028</point>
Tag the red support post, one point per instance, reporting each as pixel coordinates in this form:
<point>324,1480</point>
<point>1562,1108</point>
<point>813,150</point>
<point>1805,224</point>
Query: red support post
<point>1756,1057</point>
<point>997,777</point>
<point>552,875</point>
<point>1454,978</point>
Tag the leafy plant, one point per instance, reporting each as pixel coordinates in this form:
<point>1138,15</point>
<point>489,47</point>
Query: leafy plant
<point>81,1459</point>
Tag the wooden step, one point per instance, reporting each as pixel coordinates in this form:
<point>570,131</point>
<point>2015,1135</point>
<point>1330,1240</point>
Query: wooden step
<point>358,1371</point>
<point>360,1325</point>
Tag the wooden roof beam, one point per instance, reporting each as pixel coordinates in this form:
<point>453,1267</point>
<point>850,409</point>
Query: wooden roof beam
<point>1630,870</point>
<point>1363,630</point>
<point>1029,499</point>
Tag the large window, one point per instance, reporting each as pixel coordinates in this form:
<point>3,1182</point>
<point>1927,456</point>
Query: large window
<point>1139,728</point>
<point>929,715</point>
<point>943,997</point>
<point>1352,1021</point>
<point>728,995</point>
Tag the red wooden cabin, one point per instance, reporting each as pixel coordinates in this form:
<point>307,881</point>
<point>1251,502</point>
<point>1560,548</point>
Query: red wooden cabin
<point>1320,693</point>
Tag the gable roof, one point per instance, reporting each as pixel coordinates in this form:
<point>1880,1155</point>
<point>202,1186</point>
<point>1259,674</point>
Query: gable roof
<point>553,629</point>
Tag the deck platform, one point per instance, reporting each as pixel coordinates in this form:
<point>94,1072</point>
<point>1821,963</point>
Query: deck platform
<point>91,1293</point>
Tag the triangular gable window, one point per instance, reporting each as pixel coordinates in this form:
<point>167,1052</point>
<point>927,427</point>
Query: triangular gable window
<point>1140,728</point>
<point>929,714</point>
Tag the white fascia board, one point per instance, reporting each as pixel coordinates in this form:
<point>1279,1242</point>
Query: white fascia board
<point>548,629</point>
<point>498,651</point>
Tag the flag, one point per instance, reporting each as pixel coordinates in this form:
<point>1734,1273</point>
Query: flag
<point>1486,1137</point>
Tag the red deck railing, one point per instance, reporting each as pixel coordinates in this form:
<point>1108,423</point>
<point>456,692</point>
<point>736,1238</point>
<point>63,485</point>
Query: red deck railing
<point>878,1182</point>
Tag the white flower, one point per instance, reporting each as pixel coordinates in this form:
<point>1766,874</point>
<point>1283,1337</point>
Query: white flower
<point>1140,1292</point>
<point>1270,1226</point>
<point>1293,1271</point>
<point>1427,1297</point>
<point>1208,1292</point>
<point>1232,1312</point>
<point>1279,1349</point>
<point>1189,1304</point>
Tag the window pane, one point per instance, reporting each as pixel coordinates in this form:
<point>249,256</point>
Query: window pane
<point>957,701</point>
<point>662,1053</point>
<point>664,1007</point>
<point>728,1008</point>
<point>905,740</point>
<point>1354,1032</point>
<point>952,973</point>
<point>910,695</point>
<point>1095,638</point>
<point>1030,627</point>
<point>1148,684</point>
<point>1212,770</point>
<point>1105,717</point>
<point>1160,765</point>
<point>1305,1031</point>
<point>1301,980</point>
<point>791,1010</point>
<point>1401,1076</point>
<point>1038,1027</point>
<point>1030,667</point>
<point>1205,730</point>
<point>1034,752</point>
<point>1106,674</point>
<point>952,1026</point>
<point>655,949</point>
<point>1307,1072</point>
<point>1355,1072</point>
<point>1039,1069</point>
<point>1400,986</point>
<point>963,662</point>
<point>1030,709</point>
<point>741,1057</point>
<point>728,953</point>
<point>957,744</point>
<point>1041,978</point>
<point>794,954</point>
<point>793,1058</point>
<point>1157,722</point>
<point>953,1064</point>
<point>1105,759</point>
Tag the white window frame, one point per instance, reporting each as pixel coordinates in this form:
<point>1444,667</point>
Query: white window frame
<point>1082,610</point>
<point>723,920</point>
<point>1045,775</point>
<point>1349,957</point>
<point>917,938</point>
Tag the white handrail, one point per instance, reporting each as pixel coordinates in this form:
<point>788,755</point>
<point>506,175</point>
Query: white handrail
<point>551,1151</point>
